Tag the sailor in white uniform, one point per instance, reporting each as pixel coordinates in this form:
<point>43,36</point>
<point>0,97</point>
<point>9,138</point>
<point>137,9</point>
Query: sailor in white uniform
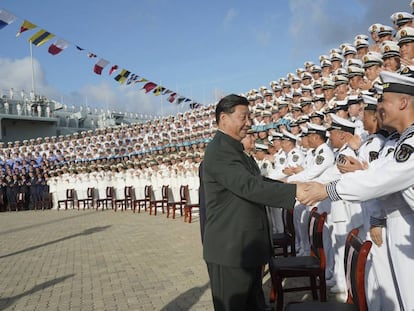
<point>388,179</point>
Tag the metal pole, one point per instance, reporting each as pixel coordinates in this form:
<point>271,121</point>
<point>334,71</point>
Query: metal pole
<point>31,60</point>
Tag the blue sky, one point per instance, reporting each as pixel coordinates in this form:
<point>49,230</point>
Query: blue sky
<point>201,49</point>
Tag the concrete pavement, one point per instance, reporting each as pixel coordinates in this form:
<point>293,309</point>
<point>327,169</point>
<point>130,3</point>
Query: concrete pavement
<point>89,260</point>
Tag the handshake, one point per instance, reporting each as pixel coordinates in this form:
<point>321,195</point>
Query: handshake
<point>310,193</point>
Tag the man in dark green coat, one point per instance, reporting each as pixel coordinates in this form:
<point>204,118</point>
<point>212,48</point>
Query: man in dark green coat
<point>236,238</point>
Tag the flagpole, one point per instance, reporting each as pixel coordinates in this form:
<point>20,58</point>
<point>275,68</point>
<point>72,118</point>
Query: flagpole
<point>31,61</point>
<point>162,108</point>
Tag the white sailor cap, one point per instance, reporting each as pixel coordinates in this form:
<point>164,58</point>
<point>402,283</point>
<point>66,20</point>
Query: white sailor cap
<point>289,136</point>
<point>277,135</point>
<point>407,71</point>
<point>395,83</point>
<point>316,129</point>
<point>353,99</point>
<point>342,124</point>
<point>319,97</point>
<point>299,71</point>
<point>340,71</point>
<point>354,71</point>
<point>389,49</point>
<point>283,103</point>
<point>384,30</point>
<point>401,18</point>
<point>336,57</point>
<point>343,45</point>
<point>328,84</point>
<point>294,79</point>
<point>260,146</point>
<point>306,101</point>
<point>370,102</point>
<point>315,69</point>
<point>268,93</point>
<point>308,88</point>
<point>361,43</point>
<point>317,114</point>
<point>354,62</point>
<point>306,75</point>
<point>340,79</point>
<point>371,59</point>
<point>361,37</point>
<point>308,64</point>
<point>304,132</point>
<point>323,57</point>
<point>374,27</point>
<point>326,63</point>
<point>404,35</point>
<point>348,49</point>
<point>335,50</point>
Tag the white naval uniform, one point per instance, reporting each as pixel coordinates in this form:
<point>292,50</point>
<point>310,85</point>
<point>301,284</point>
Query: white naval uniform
<point>276,172</point>
<point>322,159</point>
<point>379,285</point>
<point>381,294</point>
<point>386,178</point>
<point>345,216</point>
<point>53,184</point>
<point>273,213</point>
<point>295,157</point>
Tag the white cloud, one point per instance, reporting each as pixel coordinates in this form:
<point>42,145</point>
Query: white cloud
<point>230,16</point>
<point>17,74</point>
<point>327,24</point>
<point>264,37</point>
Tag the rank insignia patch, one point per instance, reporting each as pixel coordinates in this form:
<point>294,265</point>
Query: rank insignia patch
<point>403,153</point>
<point>373,155</point>
<point>319,159</point>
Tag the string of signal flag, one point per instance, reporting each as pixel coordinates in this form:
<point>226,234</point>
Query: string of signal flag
<point>124,76</point>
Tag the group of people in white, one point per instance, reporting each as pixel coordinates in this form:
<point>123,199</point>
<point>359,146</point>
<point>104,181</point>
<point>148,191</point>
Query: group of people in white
<point>317,124</point>
<point>326,121</point>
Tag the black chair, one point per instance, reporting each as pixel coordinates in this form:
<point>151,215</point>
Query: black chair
<point>188,207</point>
<point>145,201</point>
<point>162,203</point>
<point>128,199</point>
<point>173,206</point>
<point>312,266</point>
<point>70,198</point>
<point>89,200</point>
<point>286,239</point>
<point>109,198</point>
<point>355,259</point>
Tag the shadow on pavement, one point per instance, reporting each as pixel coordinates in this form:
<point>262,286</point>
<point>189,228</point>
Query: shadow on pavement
<point>187,299</point>
<point>85,232</point>
<point>8,301</point>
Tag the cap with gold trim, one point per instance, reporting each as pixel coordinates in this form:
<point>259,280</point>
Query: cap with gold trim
<point>389,49</point>
<point>405,35</point>
<point>396,83</point>
<point>401,18</point>
<point>342,124</point>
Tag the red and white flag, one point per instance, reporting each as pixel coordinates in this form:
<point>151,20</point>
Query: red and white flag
<point>172,97</point>
<point>100,65</point>
<point>113,68</point>
<point>58,46</point>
